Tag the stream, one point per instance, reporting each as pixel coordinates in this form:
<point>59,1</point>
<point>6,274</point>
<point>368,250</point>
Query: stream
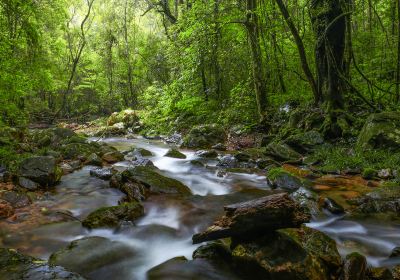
<point>169,223</point>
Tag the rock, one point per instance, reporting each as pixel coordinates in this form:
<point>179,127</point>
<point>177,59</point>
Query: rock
<point>395,253</point>
<point>242,157</point>
<point>379,273</point>
<point>112,216</point>
<point>127,117</point>
<point>16,199</point>
<point>42,170</point>
<point>142,152</point>
<point>279,178</point>
<point>282,152</point>
<point>117,129</point>
<point>204,136</point>
<point>332,206</point>
<point>5,176</point>
<point>255,217</point>
<point>94,159</point>
<point>74,151</point>
<point>174,153</point>
<point>143,181</point>
<point>142,162</point>
<point>180,268</point>
<point>293,253</point>
<point>6,210</point>
<point>28,184</point>
<point>355,267</point>
<point>214,250</point>
<point>228,161</point>
<point>66,168</point>
<point>381,130</point>
<point>207,154</point>
<point>113,157</point>
<point>396,272</point>
<point>368,173</point>
<point>385,173</point>
<point>219,147</point>
<point>75,164</point>
<point>307,199</point>
<point>14,265</point>
<point>102,173</point>
<point>175,138</point>
<point>306,141</point>
<point>89,255</point>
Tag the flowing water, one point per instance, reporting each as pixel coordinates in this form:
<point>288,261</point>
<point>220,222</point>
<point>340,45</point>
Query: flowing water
<point>169,223</point>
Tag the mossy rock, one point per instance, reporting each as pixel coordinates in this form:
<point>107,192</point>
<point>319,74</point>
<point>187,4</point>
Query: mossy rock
<point>89,255</point>
<point>280,178</point>
<point>41,169</point>
<point>128,117</point>
<point>112,216</point>
<point>305,141</point>
<point>282,152</point>
<point>154,182</point>
<point>204,137</point>
<point>380,130</point>
<point>303,253</point>
<point>174,153</point>
<point>77,150</point>
<point>15,266</point>
<point>369,173</point>
<point>142,152</point>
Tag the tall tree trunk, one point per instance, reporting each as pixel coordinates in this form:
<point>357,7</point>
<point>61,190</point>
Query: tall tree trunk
<point>132,95</point>
<point>329,22</point>
<point>398,54</point>
<point>253,32</point>
<point>302,53</point>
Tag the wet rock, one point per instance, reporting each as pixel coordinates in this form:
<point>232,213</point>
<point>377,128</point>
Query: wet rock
<point>66,168</point>
<point>14,265</point>
<point>174,153</point>
<point>380,130</point>
<point>279,178</point>
<point>180,268</point>
<point>266,163</point>
<point>42,170</point>
<point>215,250</point>
<point>293,253</point>
<point>6,210</point>
<point>379,273</point>
<point>87,256</point>
<point>175,138</point>
<point>332,206</point>
<point>355,267</point>
<point>219,147</point>
<point>307,199</point>
<point>113,157</point>
<point>77,150</point>
<point>242,157</point>
<point>140,182</point>
<point>112,216</point>
<point>28,184</point>
<point>306,141</point>
<point>16,199</point>
<point>255,217</point>
<point>142,152</point>
<point>197,163</point>
<point>395,253</point>
<point>207,154</point>
<point>142,162</point>
<point>94,159</point>
<point>75,164</point>
<point>102,173</point>
<point>204,136</point>
<point>282,152</point>
<point>228,161</point>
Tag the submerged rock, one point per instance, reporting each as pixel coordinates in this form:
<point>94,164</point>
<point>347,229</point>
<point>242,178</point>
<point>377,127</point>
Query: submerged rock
<point>204,136</point>
<point>255,217</point>
<point>42,170</point>
<point>174,153</point>
<point>87,256</point>
<point>381,130</point>
<point>14,265</point>
<point>6,209</point>
<point>114,215</point>
<point>293,253</point>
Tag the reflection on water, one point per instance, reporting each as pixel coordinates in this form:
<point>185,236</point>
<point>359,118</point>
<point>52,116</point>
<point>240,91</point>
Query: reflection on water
<point>166,229</point>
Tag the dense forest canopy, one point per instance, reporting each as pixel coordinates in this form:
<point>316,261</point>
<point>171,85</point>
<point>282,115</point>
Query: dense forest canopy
<point>230,61</point>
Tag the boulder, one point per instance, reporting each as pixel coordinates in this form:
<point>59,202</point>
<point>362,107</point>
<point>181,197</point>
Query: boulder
<point>94,159</point>
<point>127,117</point>
<point>279,178</point>
<point>28,184</point>
<point>207,154</point>
<point>14,266</point>
<point>174,153</point>
<point>117,129</point>
<point>255,217</point>
<point>305,141</point>
<point>140,152</point>
<point>77,150</point>
<point>6,209</point>
<point>204,136</point>
<point>142,162</point>
<point>354,267</point>
<point>292,253</point>
<point>111,217</point>
<point>282,152</point>
<point>228,161</point>
<point>175,138</point>
<point>88,255</point>
<point>381,130</point>
<point>42,170</point>
<point>102,173</point>
<point>113,157</point>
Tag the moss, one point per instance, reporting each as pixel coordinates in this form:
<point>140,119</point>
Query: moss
<point>368,173</point>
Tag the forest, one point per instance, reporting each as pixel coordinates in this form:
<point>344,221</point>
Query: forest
<point>200,139</point>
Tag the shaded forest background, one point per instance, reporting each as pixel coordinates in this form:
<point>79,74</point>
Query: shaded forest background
<point>231,62</point>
